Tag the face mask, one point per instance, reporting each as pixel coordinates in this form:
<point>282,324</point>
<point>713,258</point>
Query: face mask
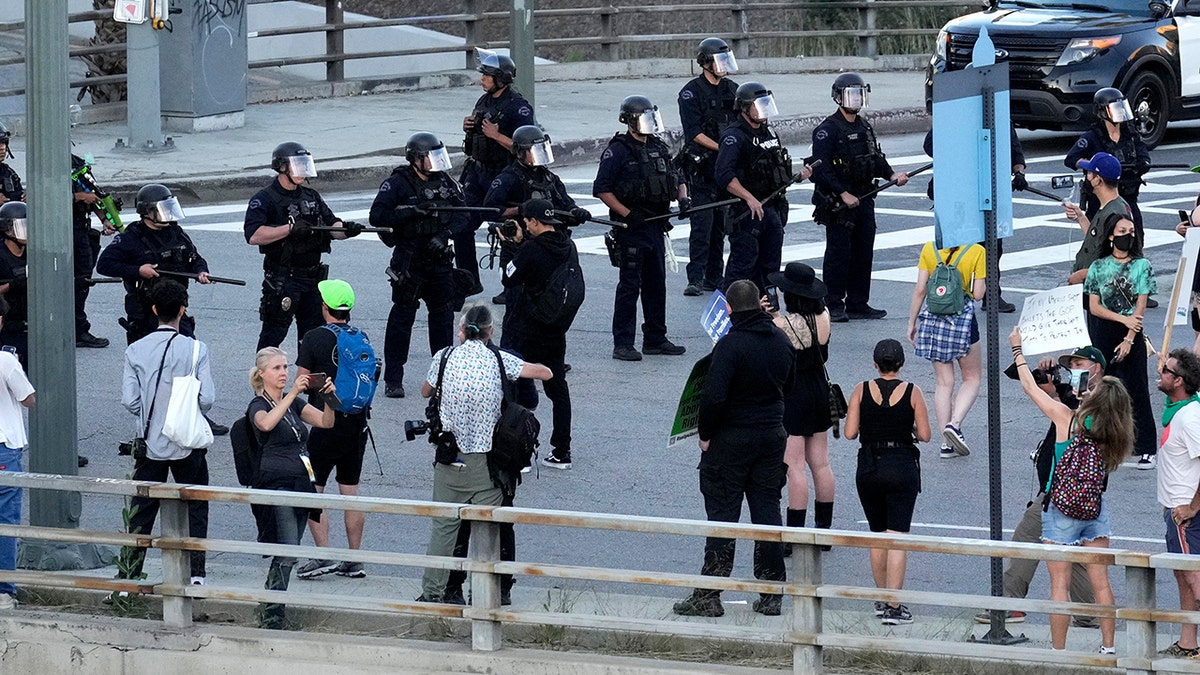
<point>1076,377</point>
<point>1123,242</point>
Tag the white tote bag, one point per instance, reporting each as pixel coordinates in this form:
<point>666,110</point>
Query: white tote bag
<point>185,423</point>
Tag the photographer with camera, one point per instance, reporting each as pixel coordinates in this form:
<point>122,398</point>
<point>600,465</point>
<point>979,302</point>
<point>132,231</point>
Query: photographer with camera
<point>465,387</point>
<point>151,366</point>
<point>1063,380</point>
<point>422,265</point>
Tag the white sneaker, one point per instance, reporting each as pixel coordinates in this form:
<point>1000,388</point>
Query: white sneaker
<point>197,581</point>
<point>1145,462</point>
<point>7,601</point>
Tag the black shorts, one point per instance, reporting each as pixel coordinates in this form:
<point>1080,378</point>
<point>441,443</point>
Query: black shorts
<point>887,488</point>
<point>342,446</point>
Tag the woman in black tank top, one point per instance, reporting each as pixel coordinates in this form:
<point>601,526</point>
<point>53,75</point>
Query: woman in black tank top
<point>889,417</point>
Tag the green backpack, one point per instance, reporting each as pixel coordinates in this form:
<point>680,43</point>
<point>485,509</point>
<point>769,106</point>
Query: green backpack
<point>944,295</point>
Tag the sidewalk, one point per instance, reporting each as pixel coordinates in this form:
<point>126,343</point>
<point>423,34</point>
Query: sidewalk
<point>357,140</point>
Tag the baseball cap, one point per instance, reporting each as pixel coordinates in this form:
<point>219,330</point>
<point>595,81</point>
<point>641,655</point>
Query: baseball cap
<point>336,294</point>
<point>1103,164</point>
<point>889,351</point>
<point>541,210</point>
<point>1086,352</point>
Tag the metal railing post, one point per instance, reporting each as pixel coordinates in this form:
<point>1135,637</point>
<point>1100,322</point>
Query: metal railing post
<point>1140,638</point>
<point>335,41</point>
<point>486,635</point>
<point>806,610</point>
<point>608,46</point>
<point>176,563</point>
<point>739,39</point>
<point>867,44</point>
<point>470,33</point>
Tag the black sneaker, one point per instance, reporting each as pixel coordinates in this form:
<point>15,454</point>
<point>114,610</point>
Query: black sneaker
<point>505,597</point>
<point>556,461</point>
<point>89,341</point>
<point>315,568</point>
<point>626,354</point>
<point>499,299</point>
<point>429,598</point>
<point>665,348</point>
<point>880,608</point>
<point>692,290</point>
<point>393,390</point>
<point>866,312</point>
<point>453,597</point>
<point>699,605</point>
<point>218,429</point>
<point>769,605</point>
<point>895,616</point>
<point>1151,303</point>
<point>838,316</point>
<point>476,289</point>
<point>354,570</point>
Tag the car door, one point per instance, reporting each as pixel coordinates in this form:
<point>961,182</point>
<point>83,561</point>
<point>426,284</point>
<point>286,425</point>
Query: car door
<point>1187,20</point>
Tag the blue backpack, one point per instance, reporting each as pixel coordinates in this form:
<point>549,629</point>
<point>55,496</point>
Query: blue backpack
<point>357,368</point>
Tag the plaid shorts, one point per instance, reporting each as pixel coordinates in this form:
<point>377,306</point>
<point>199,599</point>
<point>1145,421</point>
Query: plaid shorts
<point>946,338</point>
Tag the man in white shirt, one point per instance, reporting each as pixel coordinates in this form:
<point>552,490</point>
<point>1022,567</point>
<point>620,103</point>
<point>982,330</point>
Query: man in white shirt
<point>15,393</point>
<point>1179,480</point>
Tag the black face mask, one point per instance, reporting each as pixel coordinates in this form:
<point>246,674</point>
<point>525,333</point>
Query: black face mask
<point>1123,242</point>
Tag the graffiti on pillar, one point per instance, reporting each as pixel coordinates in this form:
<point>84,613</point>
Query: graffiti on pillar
<point>207,10</point>
<point>220,30</point>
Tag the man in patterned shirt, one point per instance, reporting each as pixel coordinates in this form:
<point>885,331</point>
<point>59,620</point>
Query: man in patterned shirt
<point>469,407</point>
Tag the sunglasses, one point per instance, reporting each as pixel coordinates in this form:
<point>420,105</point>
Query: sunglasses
<point>1168,370</point>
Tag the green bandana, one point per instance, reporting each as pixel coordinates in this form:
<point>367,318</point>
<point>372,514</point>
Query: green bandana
<point>1172,408</point>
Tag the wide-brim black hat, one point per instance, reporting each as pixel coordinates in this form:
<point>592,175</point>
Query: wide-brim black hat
<point>799,279</point>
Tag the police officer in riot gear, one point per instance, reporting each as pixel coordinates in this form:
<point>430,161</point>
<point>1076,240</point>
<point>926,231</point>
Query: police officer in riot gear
<point>706,107</point>
<point>14,279</point>
<point>279,221</point>
<point>488,144</point>
<point>11,189</point>
<point>527,177</point>
<point>850,162</point>
<point>1113,133</point>
<point>85,245</point>
<point>637,180</point>
<point>422,263</point>
<point>144,251</point>
<point>752,164</point>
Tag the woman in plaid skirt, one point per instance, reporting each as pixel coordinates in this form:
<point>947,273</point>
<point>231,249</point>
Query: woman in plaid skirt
<point>947,339</point>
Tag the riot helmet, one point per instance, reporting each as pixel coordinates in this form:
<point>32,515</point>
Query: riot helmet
<point>292,159</point>
<point>1110,104</point>
<point>500,67</point>
<point>641,115</point>
<point>532,140</point>
<point>14,221</point>
<point>5,134</point>
<point>156,203</point>
<point>715,52</point>
<point>424,144</point>
<point>850,92</point>
<point>756,101</point>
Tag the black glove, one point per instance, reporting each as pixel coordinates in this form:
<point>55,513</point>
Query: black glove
<point>409,212</point>
<point>685,205</point>
<point>1019,183</point>
<point>301,225</point>
<point>581,215</point>
<point>1143,167</point>
<point>634,220</point>
<point>353,229</point>
<point>438,243</point>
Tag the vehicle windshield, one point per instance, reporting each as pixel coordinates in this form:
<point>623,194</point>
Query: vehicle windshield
<point>1134,7</point>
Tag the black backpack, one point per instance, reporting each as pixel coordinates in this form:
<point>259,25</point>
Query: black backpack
<point>247,452</point>
<point>515,437</point>
<point>559,300</point>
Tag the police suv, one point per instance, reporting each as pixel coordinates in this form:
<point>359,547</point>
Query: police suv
<point>1060,53</point>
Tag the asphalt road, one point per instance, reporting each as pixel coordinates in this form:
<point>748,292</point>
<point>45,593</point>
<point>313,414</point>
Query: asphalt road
<point>623,411</point>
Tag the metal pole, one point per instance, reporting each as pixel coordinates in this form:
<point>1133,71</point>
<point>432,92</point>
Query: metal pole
<point>520,45</point>
<point>335,41</point>
<point>144,107</point>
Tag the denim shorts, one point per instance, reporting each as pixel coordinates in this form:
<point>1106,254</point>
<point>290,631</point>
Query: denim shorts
<point>1183,538</point>
<point>1059,529</point>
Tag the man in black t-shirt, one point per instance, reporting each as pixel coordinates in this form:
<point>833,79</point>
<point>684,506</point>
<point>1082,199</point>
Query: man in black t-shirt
<point>341,447</point>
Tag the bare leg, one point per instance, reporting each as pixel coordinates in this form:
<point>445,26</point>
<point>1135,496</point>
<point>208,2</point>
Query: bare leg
<point>320,528</point>
<point>1188,583</point>
<point>879,560</point>
<point>968,391</point>
<point>1060,582</point>
<point>797,477</point>
<point>943,393</point>
<point>816,454</point>
<point>355,520</point>
<point>1104,595</point>
<point>897,563</point>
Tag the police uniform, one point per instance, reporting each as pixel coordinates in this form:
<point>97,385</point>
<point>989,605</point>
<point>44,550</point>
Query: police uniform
<point>291,266</point>
<point>14,334</point>
<point>705,108</point>
<point>760,162</point>
<point>642,177</point>
<point>417,271</point>
<point>85,242</point>
<point>485,160</point>
<point>850,161</point>
<point>519,183</point>
<point>1133,154</point>
<point>10,184</point>
<point>171,249</point>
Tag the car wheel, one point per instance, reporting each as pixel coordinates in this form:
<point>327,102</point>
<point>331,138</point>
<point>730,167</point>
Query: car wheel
<point>1148,98</point>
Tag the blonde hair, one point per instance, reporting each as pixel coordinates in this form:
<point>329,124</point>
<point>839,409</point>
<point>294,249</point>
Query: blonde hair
<point>261,359</point>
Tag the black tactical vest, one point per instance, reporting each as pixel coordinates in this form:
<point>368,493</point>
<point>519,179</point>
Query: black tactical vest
<point>855,154</point>
<point>10,183</point>
<point>481,148</point>
<point>17,295</point>
<point>438,188</point>
<point>717,107</point>
<point>536,183</point>
<point>1130,183</point>
<point>645,178</point>
<point>768,166</point>
<point>299,250</point>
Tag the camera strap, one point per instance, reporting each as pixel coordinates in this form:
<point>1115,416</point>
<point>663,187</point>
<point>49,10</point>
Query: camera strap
<point>161,363</point>
<point>437,394</point>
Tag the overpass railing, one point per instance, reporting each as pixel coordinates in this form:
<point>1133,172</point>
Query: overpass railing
<point>804,629</point>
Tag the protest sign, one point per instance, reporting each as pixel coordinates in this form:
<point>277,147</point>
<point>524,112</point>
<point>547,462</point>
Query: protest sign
<point>715,319</point>
<point>1053,321</point>
<point>687,415</point>
<point>1183,303</point>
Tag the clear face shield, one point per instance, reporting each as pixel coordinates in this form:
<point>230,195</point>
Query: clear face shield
<point>541,154</point>
<point>167,211</point>
<point>486,57</point>
<point>724,63</point>
<point>20,230</point>
<point>301,166</point>
<point>439,160</point>
<point>649,122</point>
<point>764,108</point>
<point>1119,111</point>
<point>856,97</point>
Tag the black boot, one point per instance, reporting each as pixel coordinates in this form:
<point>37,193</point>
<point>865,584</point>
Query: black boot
<point>823,518</point>
<point>795,518</point>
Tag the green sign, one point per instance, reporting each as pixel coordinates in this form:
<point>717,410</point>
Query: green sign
<point>687,415</point>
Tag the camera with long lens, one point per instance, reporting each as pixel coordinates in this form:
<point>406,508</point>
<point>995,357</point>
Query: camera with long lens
<point>414,428</point>
<point>506,229</point>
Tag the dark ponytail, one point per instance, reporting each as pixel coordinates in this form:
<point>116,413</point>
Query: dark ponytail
<point>477,322</point>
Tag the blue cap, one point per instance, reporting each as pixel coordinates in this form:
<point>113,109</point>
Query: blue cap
<point>1104,165</point>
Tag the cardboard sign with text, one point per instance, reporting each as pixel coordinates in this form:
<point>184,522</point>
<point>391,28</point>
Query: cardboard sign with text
<point>1053,321</point>
<point>1183,303</point>
<point>687,415</point>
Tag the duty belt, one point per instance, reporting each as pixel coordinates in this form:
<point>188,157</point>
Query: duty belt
<point>299,272</point>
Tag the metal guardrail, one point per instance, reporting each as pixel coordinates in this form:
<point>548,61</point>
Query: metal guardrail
<point>741,31</point>
<point>807,633</point>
